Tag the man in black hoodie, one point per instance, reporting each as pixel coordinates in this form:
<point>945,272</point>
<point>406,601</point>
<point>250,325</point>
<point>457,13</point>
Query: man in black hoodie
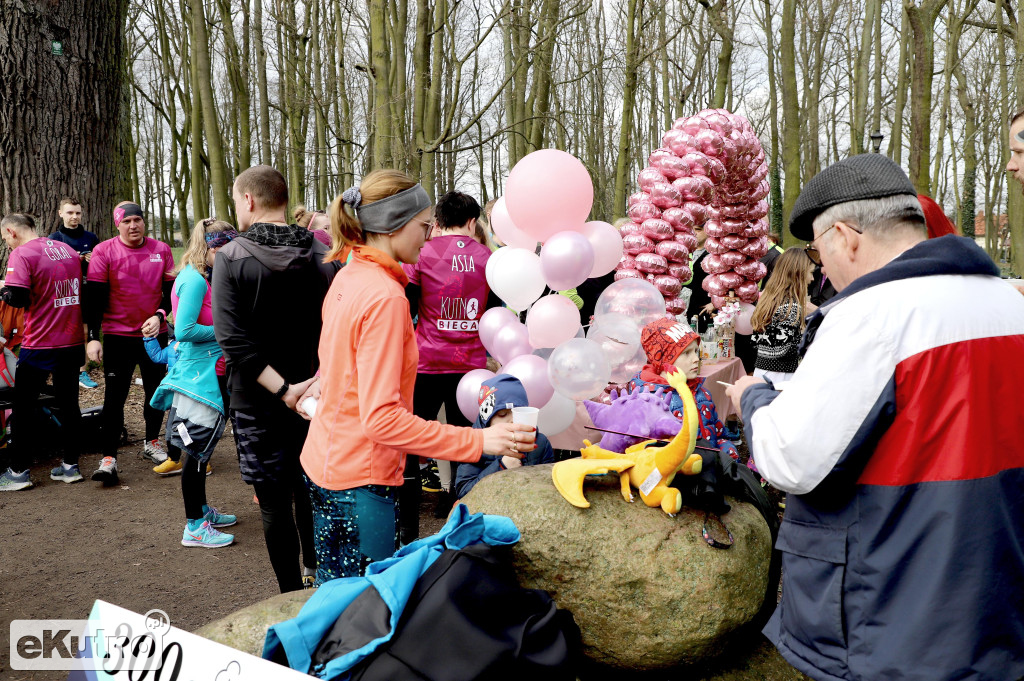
<point>268,289</point>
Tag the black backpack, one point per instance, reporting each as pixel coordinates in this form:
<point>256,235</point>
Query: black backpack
<point>466,620</point>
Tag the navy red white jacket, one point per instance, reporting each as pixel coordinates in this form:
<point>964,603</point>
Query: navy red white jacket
<point>901,442</point>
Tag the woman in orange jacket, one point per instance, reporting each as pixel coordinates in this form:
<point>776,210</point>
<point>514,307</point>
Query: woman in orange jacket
<point>363,425</point>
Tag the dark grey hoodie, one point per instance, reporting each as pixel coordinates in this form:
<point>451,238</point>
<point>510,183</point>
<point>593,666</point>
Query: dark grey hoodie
<point>267,302</point>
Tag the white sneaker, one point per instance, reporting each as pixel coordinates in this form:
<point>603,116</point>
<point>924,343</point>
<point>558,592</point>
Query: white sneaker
<point>107,472</point>
<point>154,452</point>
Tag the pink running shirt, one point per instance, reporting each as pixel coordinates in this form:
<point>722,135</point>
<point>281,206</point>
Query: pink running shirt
<point>450,273</point>
<point>136,277</point>
<point>52,272</point>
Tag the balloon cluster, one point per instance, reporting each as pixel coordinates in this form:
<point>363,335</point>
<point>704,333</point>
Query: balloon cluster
<point>547,200</point>
<point>710,171</point>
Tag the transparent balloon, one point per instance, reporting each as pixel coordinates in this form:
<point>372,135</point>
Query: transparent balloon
<point>618,336</point>
<point>557,415</point>
<point>630,367</point>
<point>635,298</point>
<point>578,369</point>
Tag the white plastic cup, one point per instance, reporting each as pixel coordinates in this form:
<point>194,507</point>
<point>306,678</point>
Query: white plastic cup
<point>309,406</point>
<point>527,416</point>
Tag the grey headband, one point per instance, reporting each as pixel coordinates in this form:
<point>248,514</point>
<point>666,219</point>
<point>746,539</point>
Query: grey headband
<point>391,214</point>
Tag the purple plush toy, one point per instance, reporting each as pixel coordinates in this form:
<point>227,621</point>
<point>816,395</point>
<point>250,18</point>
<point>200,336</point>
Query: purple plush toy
<point>640,412</point>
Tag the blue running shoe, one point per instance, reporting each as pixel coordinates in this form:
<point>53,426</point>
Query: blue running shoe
<point>207,537</point>
<point>12,482</point>
<point>85,381</point>
<point>219,519</point>
<point>62,474</point>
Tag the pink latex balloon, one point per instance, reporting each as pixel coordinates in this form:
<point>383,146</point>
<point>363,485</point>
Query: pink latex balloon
<point>651,263</point>
<point>668,285</point>
<point>634,244</point>
<point>511,341</point>
<point>732,259</point>
<point>665,195</point>
<point>714,285</point>
<point>506,230</point>
<point>754,270</point>
<point>566,260</point>
<point>628,274</point>
<point>713,264</point>
<point>681,272</point>
<point>649,177</point>
<point>714,228</point>
<point>673,251</point>
<point>748,291</point>
<point>467,394</point>
<point>491,322</point>
<point>552,320</point>
<point>656,230</point>
<point>742,320</point>
<point>607,245</point>
<point>643,210</point>
<point>730,280</point>
<point>532,372</point>
<point>689,241</point>
<point>714,246</point>
<point>733,242</point>
<point>631,228</point>
<point>548,191</point>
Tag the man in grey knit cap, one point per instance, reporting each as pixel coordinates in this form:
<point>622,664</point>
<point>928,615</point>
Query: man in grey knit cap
<point>903,538</point>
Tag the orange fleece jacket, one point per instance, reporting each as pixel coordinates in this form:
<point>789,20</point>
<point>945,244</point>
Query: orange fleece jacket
<point>364,424</point>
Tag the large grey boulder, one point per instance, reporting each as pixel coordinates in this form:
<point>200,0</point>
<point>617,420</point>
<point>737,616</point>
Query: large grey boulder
<point>246,629</point>
<point>646,590</point>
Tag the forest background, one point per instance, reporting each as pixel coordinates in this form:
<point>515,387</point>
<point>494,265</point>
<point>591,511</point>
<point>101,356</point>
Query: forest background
<point>165,101</point>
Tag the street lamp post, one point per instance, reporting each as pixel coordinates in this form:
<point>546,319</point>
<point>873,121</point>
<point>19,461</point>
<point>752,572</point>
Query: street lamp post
<point>876,140</point>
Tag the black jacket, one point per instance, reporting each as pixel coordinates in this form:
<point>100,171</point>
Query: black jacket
<point>267,304</point>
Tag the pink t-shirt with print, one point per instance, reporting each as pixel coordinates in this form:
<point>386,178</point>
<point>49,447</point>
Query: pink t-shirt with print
<point>52,272</point>
<point>450,273</point>
<point>136,277</point>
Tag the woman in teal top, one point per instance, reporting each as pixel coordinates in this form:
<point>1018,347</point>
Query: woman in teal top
<point>191,390</point>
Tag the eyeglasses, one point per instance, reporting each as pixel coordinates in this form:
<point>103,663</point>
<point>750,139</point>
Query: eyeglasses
<point>428,229</point>
<point>813,253</point>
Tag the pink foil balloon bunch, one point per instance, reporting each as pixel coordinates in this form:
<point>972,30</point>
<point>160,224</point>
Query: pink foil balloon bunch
<point>710,171</point>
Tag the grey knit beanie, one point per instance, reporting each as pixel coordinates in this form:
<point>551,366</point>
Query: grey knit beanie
<point>867,176</point>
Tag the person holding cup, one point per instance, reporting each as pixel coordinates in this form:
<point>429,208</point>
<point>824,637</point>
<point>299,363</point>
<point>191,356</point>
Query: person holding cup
<point>502,400</point>
<point>363,426</point>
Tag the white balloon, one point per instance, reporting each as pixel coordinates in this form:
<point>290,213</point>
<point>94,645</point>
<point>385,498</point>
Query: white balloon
<point>556,416</point>
<point>515,277</point>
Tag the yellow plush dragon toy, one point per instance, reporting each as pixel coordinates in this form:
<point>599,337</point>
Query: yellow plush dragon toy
<point>649,468</point>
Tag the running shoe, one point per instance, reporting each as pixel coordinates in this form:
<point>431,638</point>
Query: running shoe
<point>154,452</point>
<point>70,474</point>
<point>308,581</point>
<point>107,472</point>
<point>209,468</point>
<point>168,468</point>
<point>207,537</point>
<point>12,482</point>
<point>85,381</point>
<point>429,482</point>
<point>219,519</point>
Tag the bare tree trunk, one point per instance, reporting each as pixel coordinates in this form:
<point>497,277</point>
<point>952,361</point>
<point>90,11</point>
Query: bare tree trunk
<point>896,138</point>
<point>790,114</point>
<point>61,86</point>
<point>624,152</point>
<point>860,79</point>
<point>211,127</point>
<point>261,81</point>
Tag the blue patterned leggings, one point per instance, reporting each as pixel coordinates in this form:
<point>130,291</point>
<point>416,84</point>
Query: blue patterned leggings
<point>352,528</point>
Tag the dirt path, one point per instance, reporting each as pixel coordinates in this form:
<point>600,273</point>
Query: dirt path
<point>63,546</point>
